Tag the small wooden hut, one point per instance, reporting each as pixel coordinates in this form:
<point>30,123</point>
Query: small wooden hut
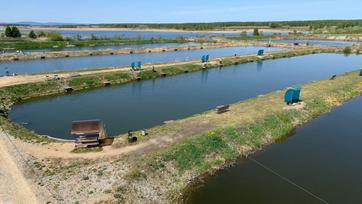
<point>88,133</point>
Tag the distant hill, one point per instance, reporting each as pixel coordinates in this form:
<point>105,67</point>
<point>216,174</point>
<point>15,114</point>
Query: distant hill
<point>31,23</point>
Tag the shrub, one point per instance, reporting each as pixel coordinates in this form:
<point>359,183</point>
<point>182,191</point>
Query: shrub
<point>54,36</point>
<point>32,35</point>
<point>42,34</point>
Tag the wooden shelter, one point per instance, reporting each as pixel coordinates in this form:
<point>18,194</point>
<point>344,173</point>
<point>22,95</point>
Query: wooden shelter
<point>88,132</point>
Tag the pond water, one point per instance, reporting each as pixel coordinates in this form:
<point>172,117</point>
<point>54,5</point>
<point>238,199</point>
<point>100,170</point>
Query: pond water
<point>317,42</point>
<point>323,157</point>
<point>145,104</point>
<point>91,62</point>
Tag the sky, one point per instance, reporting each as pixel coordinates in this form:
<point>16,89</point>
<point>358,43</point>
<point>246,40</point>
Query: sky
<point>171,11</point>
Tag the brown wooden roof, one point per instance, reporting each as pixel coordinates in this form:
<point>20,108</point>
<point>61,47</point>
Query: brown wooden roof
<point>86,127</point>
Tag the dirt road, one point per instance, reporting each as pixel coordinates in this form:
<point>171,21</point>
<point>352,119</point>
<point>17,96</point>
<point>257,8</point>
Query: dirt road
<point>14,188</point>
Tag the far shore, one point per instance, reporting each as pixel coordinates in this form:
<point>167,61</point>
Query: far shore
<point>236,30</point>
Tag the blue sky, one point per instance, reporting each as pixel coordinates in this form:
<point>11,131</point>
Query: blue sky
<point>162,11</point>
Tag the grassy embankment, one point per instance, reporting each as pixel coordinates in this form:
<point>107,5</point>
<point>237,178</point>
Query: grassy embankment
<point>26,43</point>
<point>19,93</point>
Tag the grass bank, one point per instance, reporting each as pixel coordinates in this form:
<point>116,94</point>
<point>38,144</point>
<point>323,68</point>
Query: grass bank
<point>24,43</point>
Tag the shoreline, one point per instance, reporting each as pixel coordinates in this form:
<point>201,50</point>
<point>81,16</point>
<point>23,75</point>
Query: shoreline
<point>35,28</point>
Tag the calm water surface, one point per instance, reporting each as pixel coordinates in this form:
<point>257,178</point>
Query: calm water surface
<point>317,42</point>
<point>323,157</point>
<point>89,62</point>
<point>146,104</point>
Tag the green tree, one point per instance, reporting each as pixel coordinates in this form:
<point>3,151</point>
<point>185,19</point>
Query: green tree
<point>256,32</point>
<point>8,32</point>
<point>12,32</point>
<point>15,32</point>
<point>32,35</point>
<point>274,25</point>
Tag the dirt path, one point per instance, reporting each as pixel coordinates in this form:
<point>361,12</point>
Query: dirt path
<point>63,150</point>
<point>27,79</point>
<point>13,188</point>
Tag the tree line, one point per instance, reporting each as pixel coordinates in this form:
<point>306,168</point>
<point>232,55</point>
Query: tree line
<point>273,24</point>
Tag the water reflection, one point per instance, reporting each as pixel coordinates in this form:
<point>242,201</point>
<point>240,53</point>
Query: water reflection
<point>204,76</point>
<point>259,66</point>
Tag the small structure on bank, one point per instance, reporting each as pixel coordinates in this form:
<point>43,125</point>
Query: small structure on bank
<point>222,109</point>
<point>260,53</point>
<point>292,95</point>
<point>88,133</point>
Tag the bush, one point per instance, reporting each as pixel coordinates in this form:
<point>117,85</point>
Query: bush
<point>12,32</point>
<point>32,35</point>
<point>54,36</point>
<point>42,34</point>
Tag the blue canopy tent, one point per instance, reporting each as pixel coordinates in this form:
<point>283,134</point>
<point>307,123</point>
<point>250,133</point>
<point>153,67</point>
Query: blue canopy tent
<point>292,95</point>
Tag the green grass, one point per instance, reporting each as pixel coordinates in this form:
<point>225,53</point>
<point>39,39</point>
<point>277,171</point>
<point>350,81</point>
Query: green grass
<point>25,43</point>
<point>193,153</point>
<point>26,91</point>
<point>117,76</point>
<point>85,81</point>
<point>149,74</point>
